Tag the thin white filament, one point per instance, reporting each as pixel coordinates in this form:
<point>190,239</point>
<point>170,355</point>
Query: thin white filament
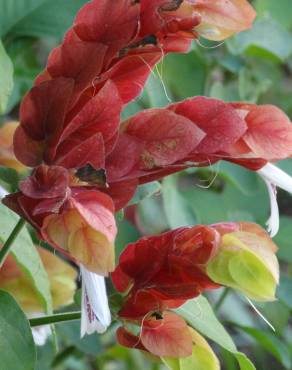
<point>261,315</point>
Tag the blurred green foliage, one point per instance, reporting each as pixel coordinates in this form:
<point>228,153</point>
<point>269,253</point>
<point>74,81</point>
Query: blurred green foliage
<point>255,66</point>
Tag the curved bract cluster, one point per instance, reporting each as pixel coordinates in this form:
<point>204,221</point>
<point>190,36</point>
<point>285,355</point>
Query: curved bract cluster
<point>184,263</point>
<point>87,165</point>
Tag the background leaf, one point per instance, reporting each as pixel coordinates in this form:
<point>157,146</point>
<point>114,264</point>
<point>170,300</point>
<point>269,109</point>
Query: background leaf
<point>6,78</point>
<point>199,314</point>
<point>16,343</point>
<point>26,256</point>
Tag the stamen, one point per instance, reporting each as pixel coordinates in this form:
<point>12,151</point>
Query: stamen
<point>261,315</point>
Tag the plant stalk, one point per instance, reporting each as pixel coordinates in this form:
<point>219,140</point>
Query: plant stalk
<point>4,251</point>
<point>52,319</point>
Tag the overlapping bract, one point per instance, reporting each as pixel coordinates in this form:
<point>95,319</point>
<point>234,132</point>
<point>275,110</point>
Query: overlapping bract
<point>184,262</point>
<point>176,274</point>
<point>198,132</point>
<point>78,221</point>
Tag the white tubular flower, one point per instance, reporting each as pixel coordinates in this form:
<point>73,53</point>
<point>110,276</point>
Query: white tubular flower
<point>95,313</point>
<point>274,177</point>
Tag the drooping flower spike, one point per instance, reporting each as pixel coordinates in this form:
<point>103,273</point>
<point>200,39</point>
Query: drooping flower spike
<point>75,106</point>
<point>185,262</point>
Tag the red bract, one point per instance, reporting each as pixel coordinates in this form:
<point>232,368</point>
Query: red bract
<point>219,19</point>
<point>268,134</point>
<point>165,335</point>
<point>113,25</point>
<point>177,260</point>
<point>198,132</point>
<point>172,29</point>
<point>68,109</point>
<point>77,221</point>
<point>50,134</point>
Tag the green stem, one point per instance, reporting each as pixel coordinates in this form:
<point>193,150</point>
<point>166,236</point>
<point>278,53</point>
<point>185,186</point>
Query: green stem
<point>52,319</point>
<point>221,299</point>
<point>9,242</point>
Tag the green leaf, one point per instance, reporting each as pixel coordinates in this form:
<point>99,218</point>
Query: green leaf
<point>126,234</point>
<point>155,91</point>
<point>227,205</point>
<point>250,87</point>
<point>177,210</point>
<point>26,256</point>
<point>46,18</point>
<point>151,216</point>
<point>285,289</point>
<point>199,314</point>
<point>246,181</point>
<point>283,239</point>
<point>12,11</point>
<point>266,39</point>
<point>185,75</point>
<point>6,77</point>
<point>276,313</point>
<point>270,343</point>
<point>280,10</point>
<point>224,91</point>
<point>10,176</point>
<point>90,344</point>
<point>145,191</point>
<point>16,342</point>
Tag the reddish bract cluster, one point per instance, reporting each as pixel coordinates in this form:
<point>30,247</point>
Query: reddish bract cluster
<point>178,260</point>
<point>76,220</point>
<point>100,66</point>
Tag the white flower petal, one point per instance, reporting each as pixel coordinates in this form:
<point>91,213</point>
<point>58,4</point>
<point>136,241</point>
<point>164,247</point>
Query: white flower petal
<point>274,176</point>
<point>3,192</point>
<point>40,333</point>
<point>95,313</point>
<point>273,222</point>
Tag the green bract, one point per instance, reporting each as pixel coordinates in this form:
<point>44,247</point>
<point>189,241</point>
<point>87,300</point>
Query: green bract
<point>246,262</point>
